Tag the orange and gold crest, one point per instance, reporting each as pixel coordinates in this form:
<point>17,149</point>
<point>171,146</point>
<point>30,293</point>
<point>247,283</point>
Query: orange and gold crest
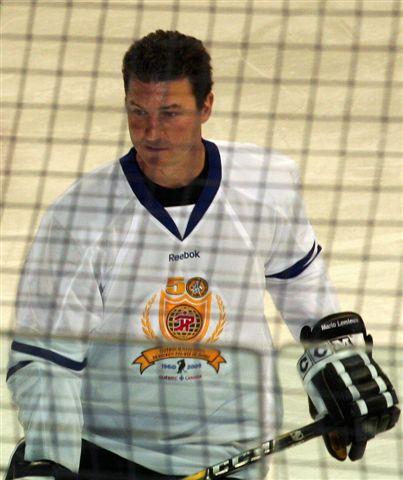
<point>184,317</point>
<point>184,313</point>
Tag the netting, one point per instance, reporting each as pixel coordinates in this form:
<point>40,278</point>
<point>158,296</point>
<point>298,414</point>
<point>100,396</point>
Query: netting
<point>318,81</point>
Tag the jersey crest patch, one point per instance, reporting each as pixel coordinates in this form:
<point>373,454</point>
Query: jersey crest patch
<point>184,317</point>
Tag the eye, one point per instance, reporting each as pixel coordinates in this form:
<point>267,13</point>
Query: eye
<point>138,112</point>
<point>169,114</point>
<point>133,110</point>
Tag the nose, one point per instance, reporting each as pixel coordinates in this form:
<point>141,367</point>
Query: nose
<point>152,128</point>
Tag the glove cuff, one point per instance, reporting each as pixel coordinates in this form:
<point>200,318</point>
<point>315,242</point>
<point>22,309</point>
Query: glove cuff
<point>41,468</point>
<point>334,326</point>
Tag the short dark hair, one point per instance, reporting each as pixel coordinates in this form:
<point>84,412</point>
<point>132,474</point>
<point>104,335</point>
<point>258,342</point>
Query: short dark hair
<point>169,55</point>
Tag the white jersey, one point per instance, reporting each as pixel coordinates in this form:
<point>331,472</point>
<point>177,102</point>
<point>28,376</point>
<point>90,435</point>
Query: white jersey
<point>125,308</point>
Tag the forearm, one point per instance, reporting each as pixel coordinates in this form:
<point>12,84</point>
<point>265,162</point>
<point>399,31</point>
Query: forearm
<point>304,299</point>
<point>48,400</point>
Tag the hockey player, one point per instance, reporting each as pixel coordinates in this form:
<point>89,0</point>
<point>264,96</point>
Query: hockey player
<point>175,245</point>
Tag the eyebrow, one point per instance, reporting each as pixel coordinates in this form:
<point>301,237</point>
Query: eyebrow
<point>165,107</point>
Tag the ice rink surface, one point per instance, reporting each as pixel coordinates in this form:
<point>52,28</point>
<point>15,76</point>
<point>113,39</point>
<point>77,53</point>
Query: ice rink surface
<point>318,80</point>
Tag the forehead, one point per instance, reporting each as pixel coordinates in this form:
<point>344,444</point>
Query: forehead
<point>161,93</point>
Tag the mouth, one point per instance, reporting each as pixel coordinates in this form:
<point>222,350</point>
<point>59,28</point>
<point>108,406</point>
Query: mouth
<point>152,148</point>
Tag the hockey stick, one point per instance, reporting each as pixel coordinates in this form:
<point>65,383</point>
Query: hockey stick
<point>286,440</point>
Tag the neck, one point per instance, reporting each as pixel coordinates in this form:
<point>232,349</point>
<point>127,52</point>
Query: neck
<point>176,174</point>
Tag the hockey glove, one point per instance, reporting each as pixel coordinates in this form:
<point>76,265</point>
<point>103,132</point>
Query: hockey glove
<point>344,382</point>
<point>40,470</point>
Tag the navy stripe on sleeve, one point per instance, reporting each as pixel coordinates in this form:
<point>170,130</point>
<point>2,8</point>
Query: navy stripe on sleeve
<point>300,266</point>
<point>17,367</point>
<point>49,355</point>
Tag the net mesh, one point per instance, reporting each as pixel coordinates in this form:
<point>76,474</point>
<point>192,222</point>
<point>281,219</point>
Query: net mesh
<point>319,81</point>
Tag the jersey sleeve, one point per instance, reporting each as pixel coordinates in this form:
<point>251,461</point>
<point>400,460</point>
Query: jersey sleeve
<point>296,276</point>
<point>58,304</point>
<point>294,244</point>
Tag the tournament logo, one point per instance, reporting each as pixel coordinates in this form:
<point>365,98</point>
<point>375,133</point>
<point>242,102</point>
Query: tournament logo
<point>184,317</point>
<point>184,322</point>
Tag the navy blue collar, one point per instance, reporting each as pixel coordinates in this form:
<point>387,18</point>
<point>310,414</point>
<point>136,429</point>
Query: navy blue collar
<point>146,198</point>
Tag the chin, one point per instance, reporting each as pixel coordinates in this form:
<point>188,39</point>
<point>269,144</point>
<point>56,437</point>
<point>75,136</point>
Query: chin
<point>155,158</point>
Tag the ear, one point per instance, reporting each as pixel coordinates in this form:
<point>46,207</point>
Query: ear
<point>207,107</point>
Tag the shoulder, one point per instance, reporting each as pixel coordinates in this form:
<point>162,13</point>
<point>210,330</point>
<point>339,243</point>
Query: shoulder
<point>258,172</point>
<point>92,201</point>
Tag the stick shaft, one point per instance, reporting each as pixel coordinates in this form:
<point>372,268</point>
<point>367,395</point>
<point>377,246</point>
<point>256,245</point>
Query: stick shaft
<point>286,440</point>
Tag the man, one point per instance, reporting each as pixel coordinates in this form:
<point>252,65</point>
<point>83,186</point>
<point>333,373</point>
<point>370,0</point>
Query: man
<point>175,244</point>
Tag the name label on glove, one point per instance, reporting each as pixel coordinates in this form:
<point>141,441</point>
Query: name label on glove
<point>339,323</point>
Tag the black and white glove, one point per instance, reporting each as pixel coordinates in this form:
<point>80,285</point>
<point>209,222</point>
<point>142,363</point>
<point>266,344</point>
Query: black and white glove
<point>344,382</point>
<point>40,470</point>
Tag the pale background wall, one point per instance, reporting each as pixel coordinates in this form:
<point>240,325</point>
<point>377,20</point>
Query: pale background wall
<point>335,109</point>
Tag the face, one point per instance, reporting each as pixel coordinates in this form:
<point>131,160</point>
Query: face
<point>164,121</point>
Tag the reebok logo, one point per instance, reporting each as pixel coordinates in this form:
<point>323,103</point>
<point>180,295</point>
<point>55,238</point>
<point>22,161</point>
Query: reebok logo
<point>172,257</point>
